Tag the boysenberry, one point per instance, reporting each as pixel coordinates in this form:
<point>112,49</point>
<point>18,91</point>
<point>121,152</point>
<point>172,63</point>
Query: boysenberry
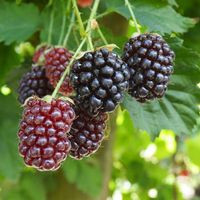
<point>150,60</point>
<point>43,133</point>
<point>99,79</point>
<point>34,83</point>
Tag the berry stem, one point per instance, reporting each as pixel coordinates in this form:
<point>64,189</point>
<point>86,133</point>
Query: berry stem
<point>92,15</point>
<point>101,35</point>
<point>69,30</point>
<point>88,28</point>
<point>49,40</point>
<point>68,68</point>
<point>81,26</point>
<point>127,3</point>
<point>63,24</point>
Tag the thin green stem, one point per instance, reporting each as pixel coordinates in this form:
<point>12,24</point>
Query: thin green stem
<point>88,29</point>
<point>127,3</point>
<point>68,68</point>
<point>92,15</point>
<point>69,30</point>
<point>68,6</point>
<point>49,40</point>
<point>81,26</point>
<point>63,25</point>
<point>75,36</point>
<point>102,36</point>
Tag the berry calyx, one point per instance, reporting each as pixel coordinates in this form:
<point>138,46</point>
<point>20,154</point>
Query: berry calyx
<point>56,61</point>
<point>34,83</point>
<point>99,78</point>
<point>150,60</point>
<point>86,133</point>
<point>43,141</point>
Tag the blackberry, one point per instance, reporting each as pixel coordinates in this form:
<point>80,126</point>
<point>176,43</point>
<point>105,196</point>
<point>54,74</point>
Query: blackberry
<point>56,61</point>
<point>99,79</point>
<point>33,83</point>
<point>43,140</point>
<point>86,133</point>
<point>38,53</point>
<point>150,60</point>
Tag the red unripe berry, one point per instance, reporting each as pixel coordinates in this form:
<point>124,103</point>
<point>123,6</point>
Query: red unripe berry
<point>85,3</point>
<point>44,143</point>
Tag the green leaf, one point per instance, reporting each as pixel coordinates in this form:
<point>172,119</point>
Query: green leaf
<point>6,63</point>
<point>70,169</point>
<point>165,144</point>
<point>11,164</point>
<point>32,185</point>
<point>178,110</point>
<point>155,15</point>
<point>86,176</point>
<point>18,22</point>
<point>193,149</point>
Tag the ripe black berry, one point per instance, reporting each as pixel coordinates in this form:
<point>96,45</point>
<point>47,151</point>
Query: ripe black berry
<point>150,60</point>
<point>99,79</point>
<point>56,61</point>
<point>33,83</point>
<point>86,133</point>
<point>43,133</point>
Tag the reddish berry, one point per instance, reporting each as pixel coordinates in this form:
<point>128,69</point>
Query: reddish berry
<point>38,53</point>
<point>34,83</point>
<point>184,172</point>
<point>56,61</point>
<point>85,3</point>
<point>43,140</point>
<point>86,133</point>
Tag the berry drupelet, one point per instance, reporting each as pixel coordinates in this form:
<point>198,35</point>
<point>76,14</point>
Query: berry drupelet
<point>34,83</point>
<point>86,133</point>
<point>43,133</point>
<point>56,61</point>
<point>99,79</point>
<point>150,60</point>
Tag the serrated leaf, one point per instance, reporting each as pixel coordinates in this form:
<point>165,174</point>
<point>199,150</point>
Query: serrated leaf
<point>178,110</point>
<point>155,15</point>
<point>18,22</point>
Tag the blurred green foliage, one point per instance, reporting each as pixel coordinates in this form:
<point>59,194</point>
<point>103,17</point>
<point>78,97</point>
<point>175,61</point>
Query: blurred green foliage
<point>154,143</point>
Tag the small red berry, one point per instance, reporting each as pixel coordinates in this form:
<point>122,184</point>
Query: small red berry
<point>184,172</point>
<point>38,53</point>
<point>85,3</point>
<point>56,61</point>
<point>44,143</point>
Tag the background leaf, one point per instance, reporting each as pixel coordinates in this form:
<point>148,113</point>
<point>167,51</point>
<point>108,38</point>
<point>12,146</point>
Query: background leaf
<point>18,22</point>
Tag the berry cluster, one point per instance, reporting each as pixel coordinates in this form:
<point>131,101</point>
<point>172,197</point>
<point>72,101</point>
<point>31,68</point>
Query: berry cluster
<point>51,128</point>
<point>150,60</point>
